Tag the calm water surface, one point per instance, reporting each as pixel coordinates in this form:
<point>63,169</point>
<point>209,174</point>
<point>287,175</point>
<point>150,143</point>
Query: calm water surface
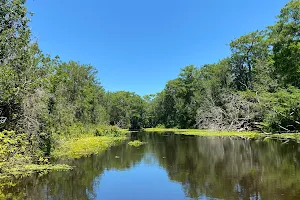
<point>175,167</point>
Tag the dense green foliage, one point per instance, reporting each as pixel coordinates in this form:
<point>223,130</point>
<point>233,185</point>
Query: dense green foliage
<point>44,100</point>
<point>125,109</point>
<point>14,150</point>
<point>257,87</point>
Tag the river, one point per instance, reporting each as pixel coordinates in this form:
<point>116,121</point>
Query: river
<point>175,167</point>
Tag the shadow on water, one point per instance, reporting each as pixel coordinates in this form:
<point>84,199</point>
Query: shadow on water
<point>200,166</point>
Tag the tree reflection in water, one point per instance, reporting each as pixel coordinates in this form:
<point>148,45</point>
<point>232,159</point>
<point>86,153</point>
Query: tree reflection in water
<point>212,167</point>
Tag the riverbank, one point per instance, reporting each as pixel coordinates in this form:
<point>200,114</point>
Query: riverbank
<point>241,134</point>
<point>85,146</point>
<point>71,149</point>
<point>88,141</point>
<point>184,159</point>
<point>17,160</point>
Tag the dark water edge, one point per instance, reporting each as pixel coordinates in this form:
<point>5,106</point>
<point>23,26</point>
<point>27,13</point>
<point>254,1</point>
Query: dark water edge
<point>174,167</point>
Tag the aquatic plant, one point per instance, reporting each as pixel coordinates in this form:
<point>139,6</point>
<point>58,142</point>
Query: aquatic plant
<point>136,143</point>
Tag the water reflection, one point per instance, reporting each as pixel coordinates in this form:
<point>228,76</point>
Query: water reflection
<point>184,167</point>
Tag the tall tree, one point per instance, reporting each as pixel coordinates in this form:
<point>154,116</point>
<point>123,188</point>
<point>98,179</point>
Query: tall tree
<point>246,51</point>
<point>22,74</point>
<point>285,38</point>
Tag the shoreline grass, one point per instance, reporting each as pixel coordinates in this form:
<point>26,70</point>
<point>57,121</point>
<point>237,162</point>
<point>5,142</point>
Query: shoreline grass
<point>210,133</point>
<point>85,146</point>
<point>77,141</point>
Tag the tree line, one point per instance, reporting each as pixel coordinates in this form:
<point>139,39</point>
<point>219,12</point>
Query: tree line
<point>44,99</point>
<point>256,87</point>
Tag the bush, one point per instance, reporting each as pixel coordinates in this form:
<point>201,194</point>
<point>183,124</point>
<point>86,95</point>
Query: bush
<point>14,150</point>
<point>160,126</point>
<point>112,131</point>
<point>282,110</point>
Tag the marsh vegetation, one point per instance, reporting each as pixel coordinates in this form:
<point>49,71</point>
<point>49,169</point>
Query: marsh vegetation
<point>52,109</point>
<point>174,166</point>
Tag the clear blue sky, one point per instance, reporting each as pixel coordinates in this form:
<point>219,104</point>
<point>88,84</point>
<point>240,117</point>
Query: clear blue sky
<point>138,45</point>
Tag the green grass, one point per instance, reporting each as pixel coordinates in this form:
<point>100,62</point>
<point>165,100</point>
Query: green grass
<point>84,140</point>
<point>136,143</point>
<point>85,146</point>
<point>209,133</point>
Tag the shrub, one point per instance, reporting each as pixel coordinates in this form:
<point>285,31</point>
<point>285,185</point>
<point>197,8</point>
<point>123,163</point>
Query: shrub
<point>112,131</point>
<point>282,110</point>
<point>160,126</point>
<point>14,150</point>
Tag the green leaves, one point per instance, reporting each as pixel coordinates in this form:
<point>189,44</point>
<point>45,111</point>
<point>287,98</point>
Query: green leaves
<point>246,52</point>
<point>126,109</point>
<point>250,87</point>
<point>282,110</point>
<point>14,149</point>
<point>285,39</point>
<point>40,96</point>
